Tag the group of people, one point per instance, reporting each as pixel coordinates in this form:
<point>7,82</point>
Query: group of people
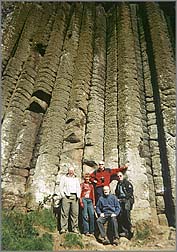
<point>97,204</point>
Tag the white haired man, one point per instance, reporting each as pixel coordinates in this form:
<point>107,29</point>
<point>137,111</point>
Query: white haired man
<point>70,192</point>
<point>108,208</point>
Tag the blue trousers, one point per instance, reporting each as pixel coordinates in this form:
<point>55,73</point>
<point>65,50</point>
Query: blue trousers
<point>88,216</point>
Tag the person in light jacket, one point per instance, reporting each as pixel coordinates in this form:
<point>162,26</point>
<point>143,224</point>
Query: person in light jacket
<point>70,192</point>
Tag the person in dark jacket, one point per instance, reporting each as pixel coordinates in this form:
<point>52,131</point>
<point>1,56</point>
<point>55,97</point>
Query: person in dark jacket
<point>108,208</point>
<point>102,176</point>
<point>124,193</point>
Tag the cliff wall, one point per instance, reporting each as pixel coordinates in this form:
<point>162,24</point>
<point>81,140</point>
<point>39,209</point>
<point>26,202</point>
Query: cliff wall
<point>83,82</point>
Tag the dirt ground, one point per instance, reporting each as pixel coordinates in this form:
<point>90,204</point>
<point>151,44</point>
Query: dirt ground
<point>164,240</point>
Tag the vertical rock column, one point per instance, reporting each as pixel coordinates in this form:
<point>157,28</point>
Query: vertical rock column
<point>94,136</point>
<point>19,102</point>
<point>129,114</point>
<point>111,110</point>
<point>22,152</point>
<point>23,67</point>
<point>72,152</point>
<point>49,63</point>
<point>163,78</point>
<point>142,65</point>
<point>14,181</point>
<point>152,126</point>
<point>22,50</point>
<point>12,31</point>
<point>54,122</point>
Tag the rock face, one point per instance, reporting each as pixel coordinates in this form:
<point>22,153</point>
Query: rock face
<point>83,82</point>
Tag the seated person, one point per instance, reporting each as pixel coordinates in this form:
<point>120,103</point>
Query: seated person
<point>108,208</point>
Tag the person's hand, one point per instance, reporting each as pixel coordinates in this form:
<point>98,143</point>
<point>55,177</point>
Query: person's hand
<point>95,181</point>
<point>113,215</point>
<point>126,166</point>
<point>102,215</point>
<point>81,204</point>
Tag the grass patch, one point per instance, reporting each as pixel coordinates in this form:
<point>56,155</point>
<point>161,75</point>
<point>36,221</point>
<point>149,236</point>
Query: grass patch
<point>18,232</point>
<point>142,234</point>
<point>72,240</point>
<point>44,218</point>
<point>143,231</point>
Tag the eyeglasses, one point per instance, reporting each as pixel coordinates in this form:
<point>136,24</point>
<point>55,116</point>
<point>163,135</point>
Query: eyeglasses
<point>101,164</point>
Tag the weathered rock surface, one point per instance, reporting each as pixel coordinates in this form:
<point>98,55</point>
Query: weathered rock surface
<point>83,82</point>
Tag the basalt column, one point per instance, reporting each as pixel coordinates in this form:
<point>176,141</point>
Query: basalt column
<point>73,145</point>
<point>54,121</point>
<point>162,67</point>
<point>94,136</point>
<point>130,118</point>
<point>111,94</point>
<point>83,82</point>
<point>23,68</point>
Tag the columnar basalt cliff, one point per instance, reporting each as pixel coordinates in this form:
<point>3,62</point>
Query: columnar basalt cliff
<point>83,82</point>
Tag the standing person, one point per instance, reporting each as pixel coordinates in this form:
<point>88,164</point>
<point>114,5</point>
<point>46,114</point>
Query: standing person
<point>87,202</point>
<point>102,176</point>
<point>70,192</point>
<point>124,193</point>
<point>108,208</point>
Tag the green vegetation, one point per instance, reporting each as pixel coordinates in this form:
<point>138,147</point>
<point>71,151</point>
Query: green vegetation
<point>143,232</point>
<point>72,240</point>
<point>44,218</point>
<point>19,230</point>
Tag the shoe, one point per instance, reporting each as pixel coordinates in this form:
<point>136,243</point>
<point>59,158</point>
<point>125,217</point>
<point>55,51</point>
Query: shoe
<point>129,235</point>
<point>123,234</point>
<point>87,234</point>
<point>75,231</point>
<point>116,241</point>
<point>106,241</point>
<point>62,231</point>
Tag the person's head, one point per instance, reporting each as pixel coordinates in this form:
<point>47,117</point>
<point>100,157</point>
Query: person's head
<point>101,165</point>
<point>87,177</point>
<point>71,171</point>
<point>106,190</point>
<point>120,176</point>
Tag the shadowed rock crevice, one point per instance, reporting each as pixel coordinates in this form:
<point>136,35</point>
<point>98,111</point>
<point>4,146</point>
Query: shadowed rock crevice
<point>170,207</point>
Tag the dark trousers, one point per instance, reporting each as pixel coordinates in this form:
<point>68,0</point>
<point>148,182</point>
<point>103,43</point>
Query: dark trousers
<point>124,218</point>
<point>112,221</point>
<point>98,192</point>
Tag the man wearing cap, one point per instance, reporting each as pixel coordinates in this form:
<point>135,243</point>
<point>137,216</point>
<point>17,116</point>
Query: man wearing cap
<point>102,177</point>
<point>70,192</point>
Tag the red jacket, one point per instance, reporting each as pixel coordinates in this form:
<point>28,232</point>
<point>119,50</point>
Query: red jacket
<point>103,177</point>
<point>85,187</point>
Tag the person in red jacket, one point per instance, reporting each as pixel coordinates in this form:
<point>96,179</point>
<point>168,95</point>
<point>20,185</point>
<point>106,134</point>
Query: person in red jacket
<point>87,202</point>
<point>102,177</point>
